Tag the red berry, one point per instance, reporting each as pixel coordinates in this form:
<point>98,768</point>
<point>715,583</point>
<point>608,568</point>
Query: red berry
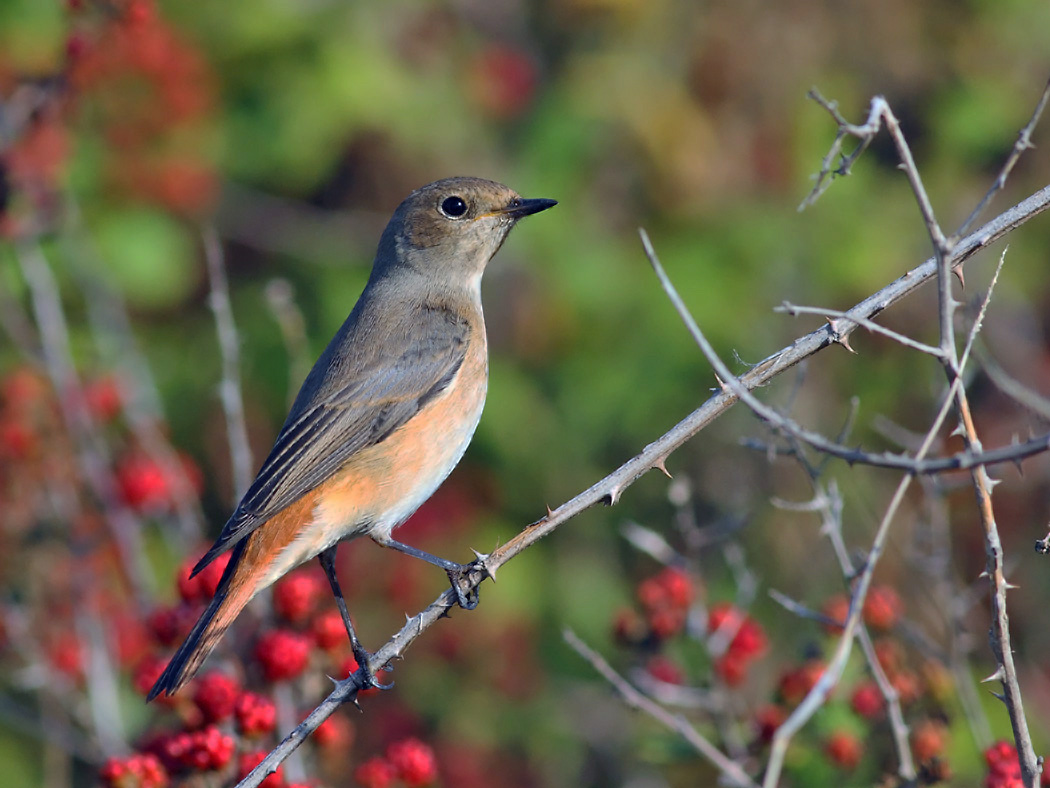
<point>283,654</point>
<point>205,750</point>
<point>413,761</point>
<point>200,588</point>
<point>767,719</point>
<point>67,657</point>
<point>882,608</point>
<point>889,654</point>
<point>1004,767</point>
<point>844,750</point>
<point>169,625</point>
<point>335,733</point>
<point>666,622</point>
<point>908,686</point>
<point>837,610</point>
<point>146,673</point>
<point>24,387</point>
<point>328,630</point>
<point>503,81</point>
<point>294,596</point>
<point>143,484</point>
<point>17,440</point>
<point>795,684</point>
<point>678,588</point>
<point>750,640</point>
<point>1000,755</point>
<point>211,575</point>
<point>135,771</point>
<point>376,772</point>
<point>102,395</point>
<point>139,12</point>
<point>628,627</point>
<point>664,669</point>
<point>928,739</point>
<point>867,700</point>
<point>723,616</point>
<point>215,696</point>
<point>249,760</point>
<point>651,594</point>
<point>732,668</point>
<point>255,714</point>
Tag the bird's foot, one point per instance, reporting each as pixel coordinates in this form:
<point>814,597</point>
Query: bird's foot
<point>465,590</point>
<point>363,677</point>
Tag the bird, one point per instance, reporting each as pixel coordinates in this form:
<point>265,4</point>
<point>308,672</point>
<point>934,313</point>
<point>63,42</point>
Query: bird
<point>383,417</point>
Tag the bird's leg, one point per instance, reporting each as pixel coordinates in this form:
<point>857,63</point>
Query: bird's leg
<point>327,558</point>
<point>457,573</point>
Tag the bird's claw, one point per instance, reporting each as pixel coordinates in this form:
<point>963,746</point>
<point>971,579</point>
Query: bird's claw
<point>363,677</point>
<point>467,596</point>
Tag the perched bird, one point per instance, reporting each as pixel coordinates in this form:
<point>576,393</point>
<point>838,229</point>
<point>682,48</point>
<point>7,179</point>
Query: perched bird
<point>383,417</point>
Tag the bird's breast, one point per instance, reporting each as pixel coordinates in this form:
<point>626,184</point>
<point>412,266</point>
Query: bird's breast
<point>381,486</point>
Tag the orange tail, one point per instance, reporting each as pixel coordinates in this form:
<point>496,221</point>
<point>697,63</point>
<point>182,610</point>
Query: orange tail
<point>230,598</point>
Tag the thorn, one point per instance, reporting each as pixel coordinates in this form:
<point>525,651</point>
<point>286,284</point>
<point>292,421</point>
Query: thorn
<point>837,335</point>
<point>721,384</point>
<point>1009,586</point>
<point>999,696</point>
<point>959,275</point>
<point>997,676</point>
<point>983,575</point>
<point>991,483</point>
<point>661,465</point>
<point>612,497</point>
<point>482,560</point>
<point>959,430</point>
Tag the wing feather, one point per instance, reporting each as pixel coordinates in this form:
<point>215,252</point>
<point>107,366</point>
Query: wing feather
<point>330,423</point>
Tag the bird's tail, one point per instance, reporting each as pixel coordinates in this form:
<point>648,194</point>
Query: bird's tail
<point>230,598</point>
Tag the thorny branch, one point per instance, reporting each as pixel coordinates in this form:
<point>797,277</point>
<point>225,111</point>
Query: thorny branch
<point>676,722</point>
<point>950,257</point>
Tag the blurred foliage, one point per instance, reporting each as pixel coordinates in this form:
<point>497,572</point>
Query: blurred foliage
<point>297,128</point>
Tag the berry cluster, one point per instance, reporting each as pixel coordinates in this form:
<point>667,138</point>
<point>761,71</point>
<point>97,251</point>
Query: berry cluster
<point>408,762</point>
<point>150,93</point>
<point>667,606</point>
<point>667,600</point>
<point>1004,767</point>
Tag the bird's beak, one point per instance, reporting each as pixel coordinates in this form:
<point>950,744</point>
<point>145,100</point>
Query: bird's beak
<point>522,207</point>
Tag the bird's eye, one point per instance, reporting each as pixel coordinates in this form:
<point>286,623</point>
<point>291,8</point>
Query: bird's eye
<point>453,207</point>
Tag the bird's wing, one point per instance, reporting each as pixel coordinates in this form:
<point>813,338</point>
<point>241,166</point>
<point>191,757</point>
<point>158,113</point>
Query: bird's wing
<point>380,394</point>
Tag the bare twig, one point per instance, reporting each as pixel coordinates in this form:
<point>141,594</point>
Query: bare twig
<point>1024,396</point>
<point>833,316</point>
<point>1024,142</point>
<point>676,722</point>
<point>229,345</point>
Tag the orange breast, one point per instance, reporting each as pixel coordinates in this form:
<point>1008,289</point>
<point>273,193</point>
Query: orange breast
<point>381,486</point>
